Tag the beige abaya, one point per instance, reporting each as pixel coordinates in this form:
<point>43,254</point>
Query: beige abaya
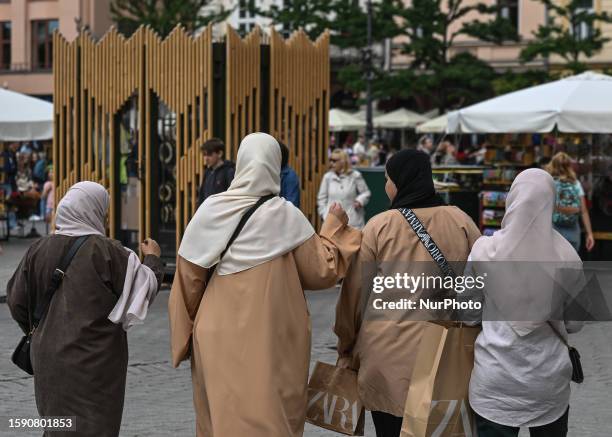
<point>251,335</point>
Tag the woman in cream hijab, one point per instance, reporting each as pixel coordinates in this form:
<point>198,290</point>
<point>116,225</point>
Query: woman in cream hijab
<point>79,349</point>
<point>247,328</point>
<point>522,371</point>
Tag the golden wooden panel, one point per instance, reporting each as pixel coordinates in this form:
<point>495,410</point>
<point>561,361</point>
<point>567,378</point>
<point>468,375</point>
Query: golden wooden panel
<point>93,81</point>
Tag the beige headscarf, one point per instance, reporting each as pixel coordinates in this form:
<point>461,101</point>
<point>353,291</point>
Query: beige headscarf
<point>276,228</point>
<point>82,211</point>
<point>527,262</point>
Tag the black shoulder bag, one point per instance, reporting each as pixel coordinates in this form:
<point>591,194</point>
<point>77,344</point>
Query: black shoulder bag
<point>21,355</point>
<point>247,215</point>
<point>577,374</point>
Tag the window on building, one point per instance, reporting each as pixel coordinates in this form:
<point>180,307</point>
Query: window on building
<point>42,44</point>
<point>584,30</point>
<point>246,16</point>
<point>509,10</point>
<point>5,45</point>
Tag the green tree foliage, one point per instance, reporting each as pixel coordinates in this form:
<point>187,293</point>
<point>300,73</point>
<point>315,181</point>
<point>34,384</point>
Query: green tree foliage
<point>572,32</point>
<point>162,15</point>
<point>517,80</point>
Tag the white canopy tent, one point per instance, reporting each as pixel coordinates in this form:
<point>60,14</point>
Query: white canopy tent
<point>361,114</point>
<point>399,119</point>
<point>434,126</point>
<point>577,104</point>
<point>342,121</point>
<point>24,118</point>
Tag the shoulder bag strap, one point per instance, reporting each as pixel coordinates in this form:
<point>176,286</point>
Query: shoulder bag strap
<point>561,337</point>
<point>243,221</point>
<point>56,280</point>
<point>430,245</point>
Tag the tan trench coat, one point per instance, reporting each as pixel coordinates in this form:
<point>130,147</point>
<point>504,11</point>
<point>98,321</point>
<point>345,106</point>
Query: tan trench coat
<point>250,335</point>
<point>383,351</point>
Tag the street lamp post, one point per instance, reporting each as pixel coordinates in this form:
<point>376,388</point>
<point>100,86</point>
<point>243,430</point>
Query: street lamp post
<point>369,132</point>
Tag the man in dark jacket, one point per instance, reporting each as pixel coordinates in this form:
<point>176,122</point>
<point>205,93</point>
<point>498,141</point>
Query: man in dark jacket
<point>219,172</point>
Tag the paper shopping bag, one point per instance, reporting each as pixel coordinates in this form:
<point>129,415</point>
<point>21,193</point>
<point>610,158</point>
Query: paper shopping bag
<point>333,400</point>
<point>437,402</point>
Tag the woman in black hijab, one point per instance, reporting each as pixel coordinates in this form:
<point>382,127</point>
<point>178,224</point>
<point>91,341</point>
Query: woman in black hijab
<point>382,344</point>
<point>410,182</point>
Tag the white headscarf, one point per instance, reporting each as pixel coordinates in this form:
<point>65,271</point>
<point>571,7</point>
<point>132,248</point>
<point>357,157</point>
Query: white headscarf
<point>276,228</point>
<point>82,211</point>
<point>525,260</point>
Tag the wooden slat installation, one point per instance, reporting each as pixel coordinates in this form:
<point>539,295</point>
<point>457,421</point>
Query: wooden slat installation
<point>95,80</point>
<point>243,82</point>
<point>179,71</point>
<point>299,102</point>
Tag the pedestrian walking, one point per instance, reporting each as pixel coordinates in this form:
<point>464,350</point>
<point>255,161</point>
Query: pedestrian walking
<point>290,183</point>
<point>522,370</point>
<point>343,185</point>
<point>383,350</point>
<point>79,349</point>
<point>571,203</point>
<point>237,306</point>
<point>219,171</point>
<point>48,196</point>
<point>445,154</point>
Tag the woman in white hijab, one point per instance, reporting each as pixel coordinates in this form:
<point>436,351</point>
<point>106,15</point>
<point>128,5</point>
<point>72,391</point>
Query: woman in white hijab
<point>79,349</point>
<point>246,326</point>
<point>522,370</point>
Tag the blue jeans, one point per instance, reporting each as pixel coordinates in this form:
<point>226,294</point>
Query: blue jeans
<point>571,234</point>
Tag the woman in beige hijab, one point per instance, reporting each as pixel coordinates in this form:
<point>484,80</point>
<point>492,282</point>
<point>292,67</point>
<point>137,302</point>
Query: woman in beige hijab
<point>246,328</point>
<point>79,349</point>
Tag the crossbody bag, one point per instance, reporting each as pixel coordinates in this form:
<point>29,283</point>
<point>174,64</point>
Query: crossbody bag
<point>21,356</point>
<point>577,374</point>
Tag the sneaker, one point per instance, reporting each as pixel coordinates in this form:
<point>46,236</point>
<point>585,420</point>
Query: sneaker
<point>34,218</point>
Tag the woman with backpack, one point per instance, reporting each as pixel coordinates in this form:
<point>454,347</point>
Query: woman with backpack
<point>570,202</point>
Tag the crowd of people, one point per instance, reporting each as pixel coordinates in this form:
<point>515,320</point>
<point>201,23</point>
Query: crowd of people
<point>237,309</point>
<point>27,189</point>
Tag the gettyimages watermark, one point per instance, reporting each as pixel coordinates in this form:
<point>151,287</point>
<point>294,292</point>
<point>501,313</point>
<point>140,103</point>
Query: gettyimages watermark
<point>487,291</point>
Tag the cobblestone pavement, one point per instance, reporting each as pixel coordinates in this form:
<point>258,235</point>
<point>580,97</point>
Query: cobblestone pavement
<point>158,398</point>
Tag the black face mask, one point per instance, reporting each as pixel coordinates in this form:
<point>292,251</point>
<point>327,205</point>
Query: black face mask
<point>410,171</point>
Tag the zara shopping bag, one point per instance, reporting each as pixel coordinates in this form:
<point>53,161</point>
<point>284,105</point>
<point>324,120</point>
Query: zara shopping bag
<point>333,400</point>
<point>437,402</point>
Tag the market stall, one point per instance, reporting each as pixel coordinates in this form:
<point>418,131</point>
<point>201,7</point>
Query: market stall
<point>527,127</point>
<point>401,119</point>
<point>434,126</point>
<point>22,119</point>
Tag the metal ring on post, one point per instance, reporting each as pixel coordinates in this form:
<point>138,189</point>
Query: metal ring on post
<point>166,152</point>
<point>167,213</point>
<point>166,192</point>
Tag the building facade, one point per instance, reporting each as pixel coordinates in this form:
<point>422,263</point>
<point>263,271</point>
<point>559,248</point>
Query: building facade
<point>526,16</point>
<point>26,38</point>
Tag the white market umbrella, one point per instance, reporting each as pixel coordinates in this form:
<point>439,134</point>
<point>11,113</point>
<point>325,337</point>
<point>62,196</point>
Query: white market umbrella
<point>24,118</point>
<point>434,126</point>
<point>341,121</point>
<point>579,104</point>
<point>399,119</point>
<point>361,114</point>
